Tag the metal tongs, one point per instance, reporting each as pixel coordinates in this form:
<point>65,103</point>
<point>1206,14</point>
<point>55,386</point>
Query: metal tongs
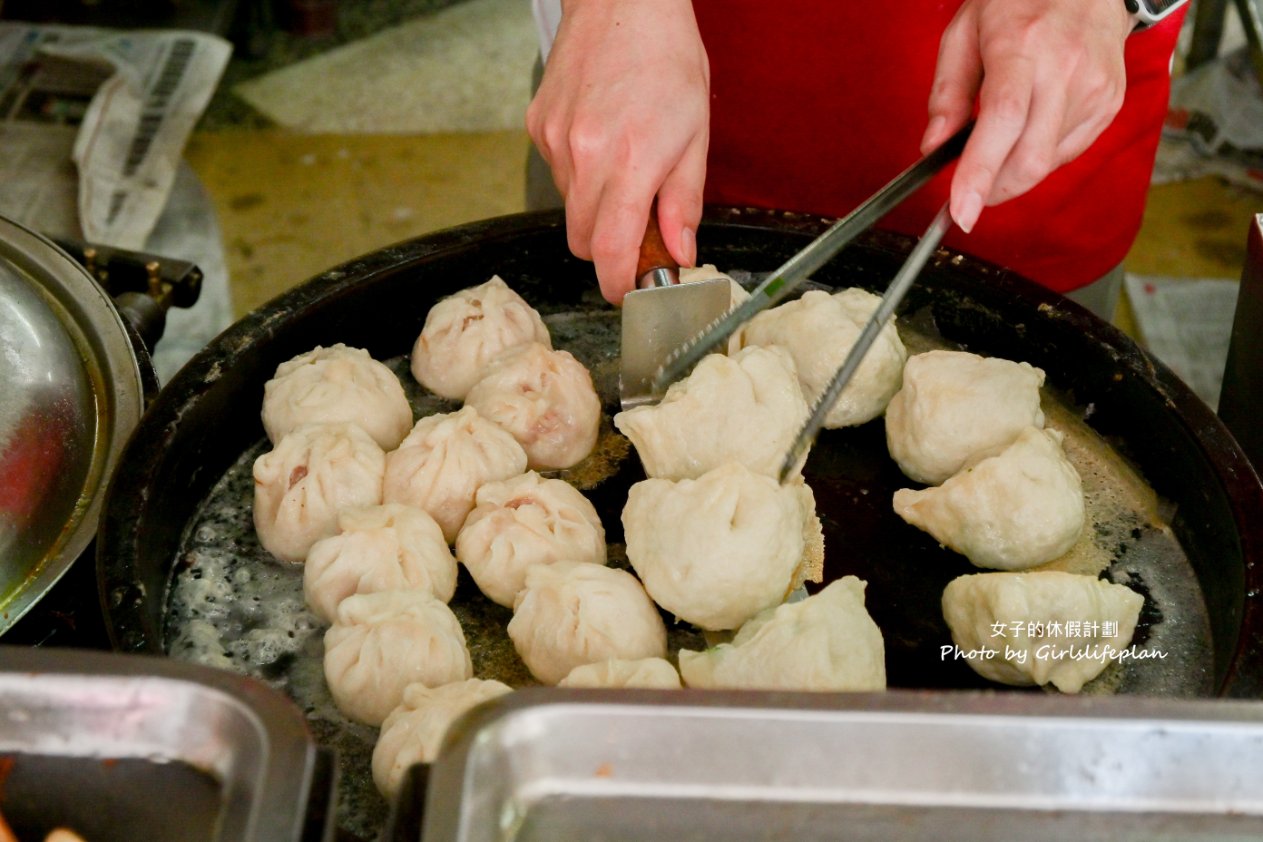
<point>889,301</point>
<point>799,267</point>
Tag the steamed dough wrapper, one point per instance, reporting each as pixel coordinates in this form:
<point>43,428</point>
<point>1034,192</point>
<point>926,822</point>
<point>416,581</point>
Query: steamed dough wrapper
<point>383,548</point>
<point>61,834</point>
<point>818,330</point>
<point>1018,509</point>
<point>708,272</point>
<point>443,462</point>
<point>717,550</point>
<point>956,408</point>
<point>464,332</point>
<point>736,293</point>
<point>546,400</point>
<point>824,642</point>
<point>336,385</point>
<point>572,613</point>
<point>977,605</point>
<point>413,732</point>
<point>618,673</point>
<point>745,408</point>
<point>524,521</point>
<point>382,642</point>
<point>311,475</point>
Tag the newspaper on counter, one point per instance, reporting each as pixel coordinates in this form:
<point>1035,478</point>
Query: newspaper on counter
<point>1214,125</point>
<point>142,93</point>
<point>121,105</point>
<point>1187,323</point>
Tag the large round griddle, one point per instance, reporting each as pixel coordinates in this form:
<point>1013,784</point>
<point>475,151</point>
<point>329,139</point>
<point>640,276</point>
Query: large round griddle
<point>208,417</point>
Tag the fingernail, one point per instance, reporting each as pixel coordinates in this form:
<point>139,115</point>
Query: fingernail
<point>688,238</point>
<point>930,139</point>
<point>967,211</point>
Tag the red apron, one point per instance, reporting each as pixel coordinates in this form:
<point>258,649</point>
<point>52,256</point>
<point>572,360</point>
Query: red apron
<point>816,105</point>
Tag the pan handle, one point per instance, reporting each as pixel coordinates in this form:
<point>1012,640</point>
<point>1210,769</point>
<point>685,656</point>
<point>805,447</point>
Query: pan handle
<point>319,817</point>
<point>145,286</point>
<point>656,267</point>
<point>407,812</point>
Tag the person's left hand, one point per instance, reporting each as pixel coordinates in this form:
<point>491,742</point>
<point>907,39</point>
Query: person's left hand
<point>1049,78</point>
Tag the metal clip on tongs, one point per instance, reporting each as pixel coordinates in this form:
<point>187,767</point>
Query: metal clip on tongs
<point>799,267</point>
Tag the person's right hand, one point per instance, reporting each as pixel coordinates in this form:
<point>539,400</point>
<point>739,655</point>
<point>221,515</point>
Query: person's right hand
<point>622,115</point>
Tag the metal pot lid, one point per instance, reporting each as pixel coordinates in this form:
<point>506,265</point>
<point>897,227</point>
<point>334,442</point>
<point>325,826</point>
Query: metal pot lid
<point>70,394</point>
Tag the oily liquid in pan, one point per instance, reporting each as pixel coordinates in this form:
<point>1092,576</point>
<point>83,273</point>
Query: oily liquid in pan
<point>231,605</point>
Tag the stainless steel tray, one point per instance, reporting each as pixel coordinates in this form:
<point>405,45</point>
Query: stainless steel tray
<point>691,765</point>
<point>128,747</point>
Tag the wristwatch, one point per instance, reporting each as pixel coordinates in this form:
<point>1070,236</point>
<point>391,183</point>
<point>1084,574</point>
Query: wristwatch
<point>1148,12</point>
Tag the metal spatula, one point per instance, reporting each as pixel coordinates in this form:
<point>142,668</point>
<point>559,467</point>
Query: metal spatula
<point>661,315</point>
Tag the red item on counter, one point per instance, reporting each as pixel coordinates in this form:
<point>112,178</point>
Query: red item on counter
<point>30,464</point>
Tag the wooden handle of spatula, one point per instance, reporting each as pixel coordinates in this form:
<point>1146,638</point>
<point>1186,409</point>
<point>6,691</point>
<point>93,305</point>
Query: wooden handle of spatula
<point>656,266</point>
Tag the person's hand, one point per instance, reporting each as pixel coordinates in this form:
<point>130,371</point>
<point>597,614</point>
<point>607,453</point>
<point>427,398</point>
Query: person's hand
<point>1049,78</point>
<point>622,115</point>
